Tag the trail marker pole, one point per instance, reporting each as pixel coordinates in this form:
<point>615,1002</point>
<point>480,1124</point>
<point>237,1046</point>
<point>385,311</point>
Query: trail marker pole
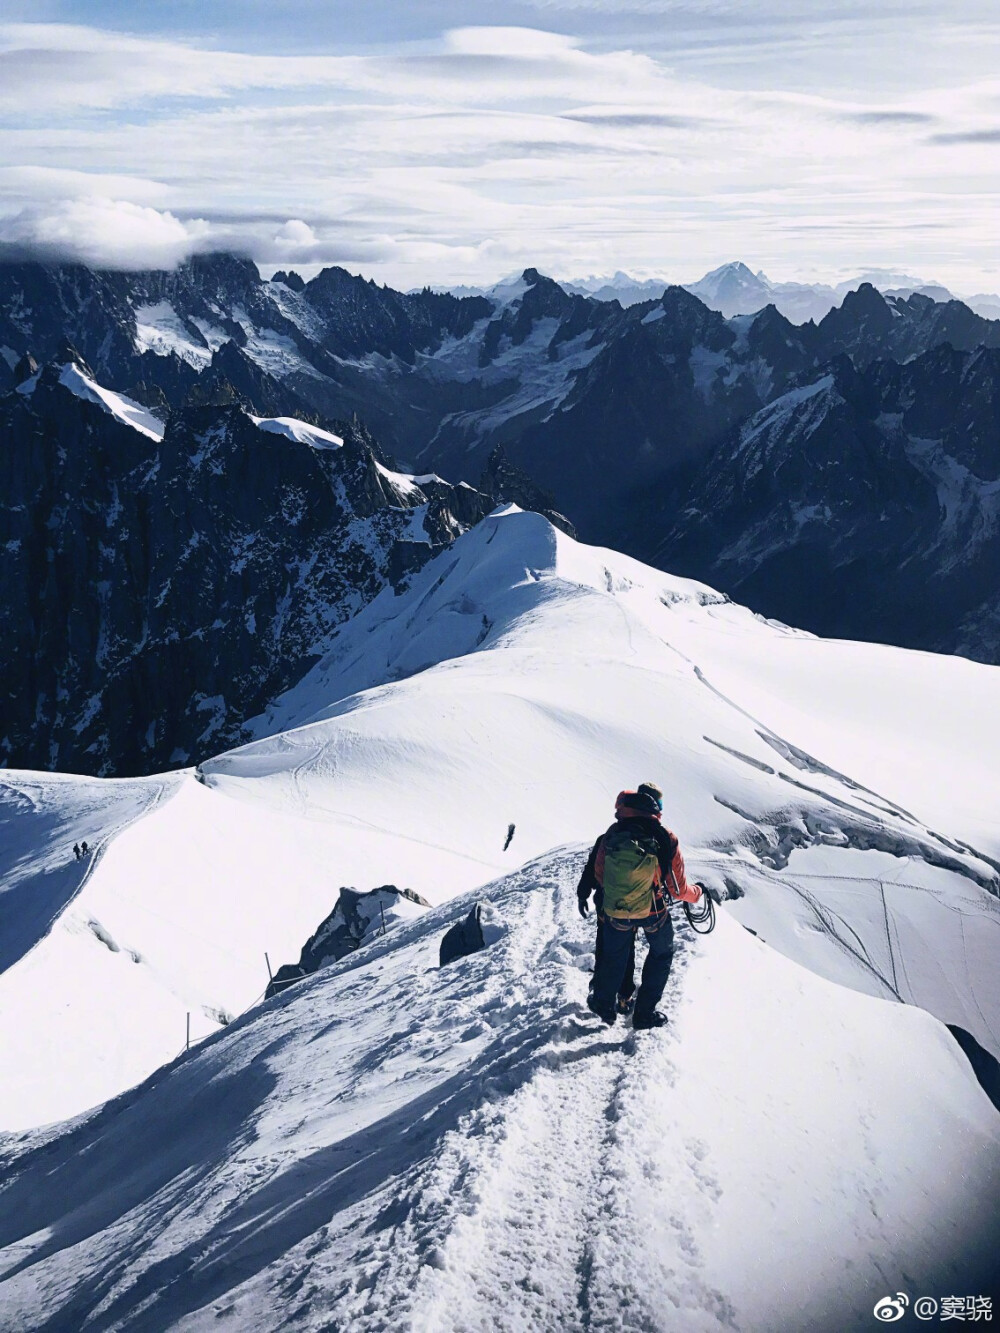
<point>382,910</point>
<point>187,1041</point>
<point>270,974</point>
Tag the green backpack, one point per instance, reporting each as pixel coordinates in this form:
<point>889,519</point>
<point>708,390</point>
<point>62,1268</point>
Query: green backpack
<point>631,873</point>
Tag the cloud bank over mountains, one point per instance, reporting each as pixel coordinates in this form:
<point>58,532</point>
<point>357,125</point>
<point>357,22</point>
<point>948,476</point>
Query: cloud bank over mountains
<point>459,155</point>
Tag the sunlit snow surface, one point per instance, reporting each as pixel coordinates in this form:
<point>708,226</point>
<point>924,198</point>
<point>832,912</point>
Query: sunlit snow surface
<point>115,404</point>
<point>393,1146</point>
<point>300,431</point>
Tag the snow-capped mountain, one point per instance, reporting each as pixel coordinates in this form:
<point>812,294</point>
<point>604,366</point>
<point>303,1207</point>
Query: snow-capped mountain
<point>618,415</point>
<point>621,287</point>
<point>390,1144</point>
<point>732,289</point>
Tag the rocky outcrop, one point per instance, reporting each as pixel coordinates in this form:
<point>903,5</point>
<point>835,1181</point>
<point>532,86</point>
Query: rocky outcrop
<point>356,918</point>
<point>481,928</point>
<point>155,593</point>
<point>505,483</point>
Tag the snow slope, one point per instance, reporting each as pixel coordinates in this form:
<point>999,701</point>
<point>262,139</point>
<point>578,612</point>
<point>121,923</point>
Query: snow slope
<point>174,918</point>
<point>523,679</point>
<point>390,1145</point>
<point>536,672</point>
<point>921,728</point>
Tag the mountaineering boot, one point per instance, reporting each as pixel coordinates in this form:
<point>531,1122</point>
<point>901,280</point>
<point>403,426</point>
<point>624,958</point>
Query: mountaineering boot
<point>625,1004</point>
<point>608,1018</point>
<point>653,1020</point>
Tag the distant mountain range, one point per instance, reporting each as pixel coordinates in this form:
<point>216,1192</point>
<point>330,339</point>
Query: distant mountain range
<point>162,544</point>
<point>734,289</point>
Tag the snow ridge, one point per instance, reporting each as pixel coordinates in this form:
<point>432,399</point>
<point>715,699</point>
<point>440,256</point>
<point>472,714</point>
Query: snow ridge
<point>115,404</point>
<point>393,1145</point>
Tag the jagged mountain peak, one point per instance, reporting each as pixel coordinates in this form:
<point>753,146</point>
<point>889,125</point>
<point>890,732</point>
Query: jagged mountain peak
<point>732,289</point>
<point>866,296</point>
<point>293,281</point>
<point>189,567</point>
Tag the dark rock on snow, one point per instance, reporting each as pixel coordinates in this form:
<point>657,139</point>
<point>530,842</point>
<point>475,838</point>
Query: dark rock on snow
<point>985,1066</point>
<point>356,918</point>
<point>474,932</point>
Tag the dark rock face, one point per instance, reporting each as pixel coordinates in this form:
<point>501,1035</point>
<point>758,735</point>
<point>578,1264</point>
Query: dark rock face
<point>293,281</point>
<point>356,918</point>
<point>869,325</point>
<point>543,299</point>
<point>158,593</point>
<point>861,505</point>
<point>505,483</point>
<point>474,932</point>
<point>361,318</point>
<point>162,328</point>
<point>650,404</point>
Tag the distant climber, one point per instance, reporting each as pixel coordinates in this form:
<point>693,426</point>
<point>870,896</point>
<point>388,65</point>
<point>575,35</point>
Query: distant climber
<point>76,850</point>
<point>510,834</point>
<point>638,867</point>
<point>84,849</point>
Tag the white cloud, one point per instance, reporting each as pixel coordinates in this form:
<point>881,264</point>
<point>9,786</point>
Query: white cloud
<point>490,146</point>
<point>42,182</point>
<point>521,43</point>
<point>294,233</point>
<point>109,233</point>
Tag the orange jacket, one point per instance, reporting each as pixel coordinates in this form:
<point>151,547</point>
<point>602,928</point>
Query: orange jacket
<point>676,882</point>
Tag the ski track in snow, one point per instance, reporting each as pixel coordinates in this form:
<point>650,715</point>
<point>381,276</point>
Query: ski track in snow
<point>517,1197</point>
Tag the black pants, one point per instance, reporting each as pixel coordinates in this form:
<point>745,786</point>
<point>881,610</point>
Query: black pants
<point>627,988</point>
<point>618,946</point>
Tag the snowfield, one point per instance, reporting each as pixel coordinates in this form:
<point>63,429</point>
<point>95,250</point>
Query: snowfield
<point>392,1145</point>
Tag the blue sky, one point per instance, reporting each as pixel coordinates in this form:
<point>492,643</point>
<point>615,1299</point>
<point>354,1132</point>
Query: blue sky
<point>415,144</point>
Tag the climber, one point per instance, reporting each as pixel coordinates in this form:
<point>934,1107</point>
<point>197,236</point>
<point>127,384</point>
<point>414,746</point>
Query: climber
<point>84,849</point>
<point>588,885</point>
<point>510,835</point>
<point>76,850</point>
<point>635,861</point>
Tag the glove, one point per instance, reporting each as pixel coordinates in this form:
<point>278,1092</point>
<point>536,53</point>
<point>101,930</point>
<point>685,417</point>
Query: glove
<point>581,902</point>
